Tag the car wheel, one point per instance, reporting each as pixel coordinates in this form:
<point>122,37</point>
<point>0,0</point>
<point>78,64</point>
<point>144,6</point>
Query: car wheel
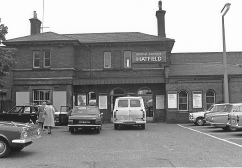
<point>17,148</point>
<point>229,128</point>
<point>143,126</point>
<point>98,129</point>
<point>199,122</point>
<point>4,148</point>
<point>115,126</point>
<point>71,129</point>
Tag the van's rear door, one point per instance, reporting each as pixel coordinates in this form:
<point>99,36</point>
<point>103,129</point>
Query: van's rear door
<point>136,112</point>
<point>122,114</point>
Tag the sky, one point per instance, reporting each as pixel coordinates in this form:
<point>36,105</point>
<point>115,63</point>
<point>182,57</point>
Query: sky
<point>195,25</point>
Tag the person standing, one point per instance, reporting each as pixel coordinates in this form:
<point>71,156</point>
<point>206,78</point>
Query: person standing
<point>49,117</point>
<point>41,114</point>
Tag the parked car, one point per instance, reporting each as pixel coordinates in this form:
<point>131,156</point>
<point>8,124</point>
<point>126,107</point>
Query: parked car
<point>14,136</point>
<point>129,111</point>
<point>61,116</point>
<point>25,113</point>
<point>235,118</point>
<point>220,119</point>
<point>199,118</point>
<point>85,117</point>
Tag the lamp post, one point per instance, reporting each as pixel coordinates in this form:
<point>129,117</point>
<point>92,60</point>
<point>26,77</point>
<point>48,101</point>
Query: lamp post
<point>226,87</point>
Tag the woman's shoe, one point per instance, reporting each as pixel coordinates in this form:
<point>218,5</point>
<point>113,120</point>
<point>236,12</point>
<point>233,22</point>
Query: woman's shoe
<point>49,132</point>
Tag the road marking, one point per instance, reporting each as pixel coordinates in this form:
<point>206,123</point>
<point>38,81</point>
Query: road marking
<point>211,136</point>
<point>232,138</point>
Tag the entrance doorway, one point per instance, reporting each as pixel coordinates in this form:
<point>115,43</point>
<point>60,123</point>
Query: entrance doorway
<point>147,96</point>
<point>115,93</point>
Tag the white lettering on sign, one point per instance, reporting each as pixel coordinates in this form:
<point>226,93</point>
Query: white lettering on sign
<point>149,57</point>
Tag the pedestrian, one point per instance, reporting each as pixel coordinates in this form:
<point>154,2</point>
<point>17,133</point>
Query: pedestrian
<point>49,117</point>
<point>41,115</point>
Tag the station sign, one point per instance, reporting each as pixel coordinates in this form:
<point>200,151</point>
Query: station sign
<point>149,57</point>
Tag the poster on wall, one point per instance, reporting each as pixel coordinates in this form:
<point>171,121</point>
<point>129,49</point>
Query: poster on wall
<point>103,102</point>
<point>160,101</point>
<point>172,100</point>
<point>82,99</point>
<point>197,99</point>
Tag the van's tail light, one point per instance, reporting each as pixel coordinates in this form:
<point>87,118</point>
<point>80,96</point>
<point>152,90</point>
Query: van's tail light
<point>143,113</point>
<point>228,117</point>
<point>114,113</point>
<point>237,118</point>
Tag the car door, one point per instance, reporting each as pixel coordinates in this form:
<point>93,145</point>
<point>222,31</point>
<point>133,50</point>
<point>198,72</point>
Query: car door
<point>122,112</point>
<point>135,110</point>
<point>16,113</point>
<point>29,114</point>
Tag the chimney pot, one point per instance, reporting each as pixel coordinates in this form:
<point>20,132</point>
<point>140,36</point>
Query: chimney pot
<point>160,14</point>
<point>35,24</point>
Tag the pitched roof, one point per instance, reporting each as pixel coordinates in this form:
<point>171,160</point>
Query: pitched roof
<point>89,38</point>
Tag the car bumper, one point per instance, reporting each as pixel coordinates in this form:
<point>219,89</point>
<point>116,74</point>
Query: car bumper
<point>129,122</point>
<point>83,125</point>
<point>25,141</point>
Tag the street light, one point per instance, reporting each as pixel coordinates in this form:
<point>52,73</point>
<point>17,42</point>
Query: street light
<point>226,87</point>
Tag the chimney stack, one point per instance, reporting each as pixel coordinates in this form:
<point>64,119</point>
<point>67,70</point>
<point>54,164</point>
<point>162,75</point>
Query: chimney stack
<point>160,14</point>
<point>35,25</point>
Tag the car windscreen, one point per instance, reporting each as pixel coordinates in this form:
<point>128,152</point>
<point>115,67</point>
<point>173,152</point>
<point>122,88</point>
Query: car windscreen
<point>223,108</point>
<point>85,110</point>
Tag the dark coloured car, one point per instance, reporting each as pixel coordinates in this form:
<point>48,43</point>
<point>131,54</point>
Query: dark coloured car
<point>85,117</point>
<point>15,136</point>
<point>26,113</point>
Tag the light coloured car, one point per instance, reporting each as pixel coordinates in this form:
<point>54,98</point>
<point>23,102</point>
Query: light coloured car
<point>197,118</point>
<point>129,111</point>
<point>220,119</point>
<point>235,118</point>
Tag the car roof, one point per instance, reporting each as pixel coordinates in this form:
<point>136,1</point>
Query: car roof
<point>130,97</point>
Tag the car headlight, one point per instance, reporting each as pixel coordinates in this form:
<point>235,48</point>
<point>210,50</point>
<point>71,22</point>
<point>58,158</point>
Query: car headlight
<point>24,135</point>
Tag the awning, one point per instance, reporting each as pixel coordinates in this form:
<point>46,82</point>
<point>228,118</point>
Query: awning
<point>118,81</point>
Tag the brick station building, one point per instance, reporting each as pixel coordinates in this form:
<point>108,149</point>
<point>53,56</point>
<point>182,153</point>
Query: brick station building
<point>74,69</point>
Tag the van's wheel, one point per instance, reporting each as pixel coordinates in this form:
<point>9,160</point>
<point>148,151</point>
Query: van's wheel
<point>143,126</point>
<point>4,148</point>
<point>115,126</point>
<point>98,129</point>
<point>71,129</point>
<point>199,122</point>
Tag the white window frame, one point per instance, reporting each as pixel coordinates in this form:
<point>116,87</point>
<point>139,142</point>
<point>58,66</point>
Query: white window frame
<point>36,59</point>
<point>127,59</point>
<point>179,100</point>
<point>107,60</point>
<point>40,98</point>
<point>45,59</point>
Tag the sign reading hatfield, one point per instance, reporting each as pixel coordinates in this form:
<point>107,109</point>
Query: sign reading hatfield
<point>149,57</point>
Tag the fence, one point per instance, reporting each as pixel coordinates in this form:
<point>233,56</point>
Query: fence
<point>6,105</point>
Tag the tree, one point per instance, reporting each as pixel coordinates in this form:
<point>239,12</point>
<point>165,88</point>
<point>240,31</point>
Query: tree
<point>6,55</point>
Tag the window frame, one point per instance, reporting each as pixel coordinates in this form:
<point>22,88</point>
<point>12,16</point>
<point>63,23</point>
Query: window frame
<point>45,59</point>
<point>107,57</point>
<point>127,54</point>
<point>38,96</point>
<point>214,98</point>
<point>36,59</point>
<point>183,103</point>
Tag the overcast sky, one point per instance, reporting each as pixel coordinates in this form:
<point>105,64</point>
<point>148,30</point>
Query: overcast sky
<point>196,25</point>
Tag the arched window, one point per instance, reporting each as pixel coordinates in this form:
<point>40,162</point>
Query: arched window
<point>183,101</point>
<point>146,94</point>
<point>210,98</point>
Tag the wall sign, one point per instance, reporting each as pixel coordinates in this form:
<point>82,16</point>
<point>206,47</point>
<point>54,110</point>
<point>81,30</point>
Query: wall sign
<point>197,99</point>
<point>172,100</point>
<point>103,102</point>
<point>149,57</point>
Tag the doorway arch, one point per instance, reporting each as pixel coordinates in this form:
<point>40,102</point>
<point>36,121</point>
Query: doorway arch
<point>115,93</point>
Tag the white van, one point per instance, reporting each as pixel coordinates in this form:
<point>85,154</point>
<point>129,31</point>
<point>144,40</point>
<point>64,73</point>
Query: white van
<point>129,111</point>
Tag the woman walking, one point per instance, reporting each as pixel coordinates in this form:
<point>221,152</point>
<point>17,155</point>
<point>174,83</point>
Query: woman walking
<point>49,117</point>
<point>41,114</point>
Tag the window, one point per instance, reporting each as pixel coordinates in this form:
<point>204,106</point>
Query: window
<point>40,96</point>
<point>135,103</point>
<point>47,58</point>
<point>210,98</point>
<point>127,59</point>
<point>123,103</point>
<point>183,101</point>
<point>36,59</point>
<point>107,59</point>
